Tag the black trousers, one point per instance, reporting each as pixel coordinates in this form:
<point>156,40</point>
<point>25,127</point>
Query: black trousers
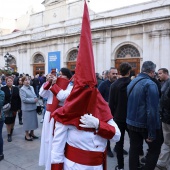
<point>119,145</point>
<point>154,147</point>
<point>20,115</point>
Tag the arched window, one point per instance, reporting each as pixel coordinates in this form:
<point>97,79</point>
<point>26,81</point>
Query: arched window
<point>128,51</point>
<point>73,55</point>
<point>71,62</point>
<point>38,58</point>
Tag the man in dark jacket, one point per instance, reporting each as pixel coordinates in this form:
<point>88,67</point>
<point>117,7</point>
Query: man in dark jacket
<point>16,79</point>
<point>164,161</point>
<point>118,106</point>
<point>36,84</point>
<point>143,119</point>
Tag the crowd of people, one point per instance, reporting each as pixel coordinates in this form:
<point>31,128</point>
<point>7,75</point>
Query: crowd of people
<point>138,107</point>
<point>85,112</point>
<point>18,93</point>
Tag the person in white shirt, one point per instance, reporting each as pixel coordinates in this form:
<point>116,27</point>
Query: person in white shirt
<point>56,90</point>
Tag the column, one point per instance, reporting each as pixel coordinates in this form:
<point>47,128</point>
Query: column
<point>108,51</point>
<point>99,66</point>
<point>165,49</point>
<point>146,52</point>
<point>155,50</point>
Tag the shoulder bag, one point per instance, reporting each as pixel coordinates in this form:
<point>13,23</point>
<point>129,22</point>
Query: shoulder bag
<point>6,108</point>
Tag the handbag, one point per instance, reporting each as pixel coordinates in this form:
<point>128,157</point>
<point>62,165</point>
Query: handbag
<point>6,108</point>
<point>39,109</point>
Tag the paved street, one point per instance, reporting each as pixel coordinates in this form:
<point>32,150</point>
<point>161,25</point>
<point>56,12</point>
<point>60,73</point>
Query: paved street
<point>23,155</point>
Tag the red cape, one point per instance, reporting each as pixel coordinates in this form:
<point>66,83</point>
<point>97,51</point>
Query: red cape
<point>85,97</point>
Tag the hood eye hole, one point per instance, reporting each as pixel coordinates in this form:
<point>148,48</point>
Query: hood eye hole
<point>86,86</point>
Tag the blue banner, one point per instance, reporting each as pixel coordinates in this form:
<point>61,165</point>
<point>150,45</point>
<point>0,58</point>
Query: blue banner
<point>54,61</point>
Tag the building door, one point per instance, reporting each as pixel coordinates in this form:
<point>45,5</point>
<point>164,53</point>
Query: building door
<point>71,66</point>
<point>134,62</point>
<point>39,65</point>
<point>71,63</point>
<point>38,69</point>
<point>130,54</point>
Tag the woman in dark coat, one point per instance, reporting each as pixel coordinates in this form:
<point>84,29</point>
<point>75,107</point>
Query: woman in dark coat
<point>11,96</point>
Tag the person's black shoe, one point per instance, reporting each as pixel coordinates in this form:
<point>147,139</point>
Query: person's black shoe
<point>116,168</point>
<point>158,167</point>
<point>140,167</point>
<point>124,151</point>
<point>9,138</point>
<point>143,160</point>
<point>28,139</point>
<point>1,157</point>
<point>110,154</point>
<point>20,122</point>
<point>33,136</point>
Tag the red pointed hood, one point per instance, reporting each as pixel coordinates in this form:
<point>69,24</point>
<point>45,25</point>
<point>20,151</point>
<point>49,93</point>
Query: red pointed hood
<point>85,71</point>
<point>85,97</point>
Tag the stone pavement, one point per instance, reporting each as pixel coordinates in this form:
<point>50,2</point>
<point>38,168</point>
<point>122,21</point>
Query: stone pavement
<point>23,155</point>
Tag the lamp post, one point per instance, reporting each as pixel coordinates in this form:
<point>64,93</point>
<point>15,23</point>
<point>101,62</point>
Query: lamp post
<point>7,58</point>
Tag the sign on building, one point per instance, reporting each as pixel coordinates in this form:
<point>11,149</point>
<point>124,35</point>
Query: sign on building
<point>54,61</point>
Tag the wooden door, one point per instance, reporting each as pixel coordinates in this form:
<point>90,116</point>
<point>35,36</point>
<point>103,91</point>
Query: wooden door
<point>135,63</point>
<point>38,69</point>
<point>71,66</point>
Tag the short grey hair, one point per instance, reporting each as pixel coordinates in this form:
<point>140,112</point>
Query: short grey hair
<point>111,69</point>
<point>148,66</point>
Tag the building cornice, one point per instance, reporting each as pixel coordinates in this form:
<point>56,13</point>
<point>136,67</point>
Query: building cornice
<point>72,27</point>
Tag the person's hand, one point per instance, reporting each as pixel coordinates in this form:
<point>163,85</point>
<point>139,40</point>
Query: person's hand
<point>89,121</point>
<point>49,78</point>
<point>36,100</point>
<point>54,80</point>
<point>149,140</point>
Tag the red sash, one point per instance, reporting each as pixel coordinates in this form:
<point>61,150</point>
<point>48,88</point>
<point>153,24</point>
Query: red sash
<point>84,157</point>
<point>57,166</point>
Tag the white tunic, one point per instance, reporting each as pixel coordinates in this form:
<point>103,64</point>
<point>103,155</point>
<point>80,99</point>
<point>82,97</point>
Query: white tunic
<point>79,139</point>
<point>47,129</point>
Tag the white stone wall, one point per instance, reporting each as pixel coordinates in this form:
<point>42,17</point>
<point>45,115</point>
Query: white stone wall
<point>145,26</point>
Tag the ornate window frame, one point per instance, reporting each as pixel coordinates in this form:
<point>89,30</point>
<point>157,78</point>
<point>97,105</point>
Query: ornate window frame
<point>38,58</point>
<point>116,50</point>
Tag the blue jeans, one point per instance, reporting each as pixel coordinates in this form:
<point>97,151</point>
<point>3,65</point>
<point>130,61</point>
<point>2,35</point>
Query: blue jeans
<point>1,139</point>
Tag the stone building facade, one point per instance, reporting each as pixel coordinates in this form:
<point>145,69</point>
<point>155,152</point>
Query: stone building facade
<point>131,34</point>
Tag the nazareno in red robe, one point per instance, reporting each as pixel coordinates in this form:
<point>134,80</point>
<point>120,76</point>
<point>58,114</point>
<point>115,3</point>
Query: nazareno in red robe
<point>84,97</point>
